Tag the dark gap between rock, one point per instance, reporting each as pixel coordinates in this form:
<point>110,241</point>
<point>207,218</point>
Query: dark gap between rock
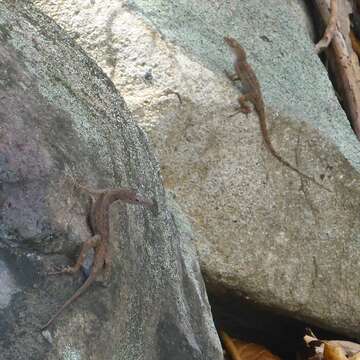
<point>283,335</point>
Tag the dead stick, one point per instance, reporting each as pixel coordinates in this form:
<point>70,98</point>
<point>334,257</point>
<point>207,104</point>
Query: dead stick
<point>355,43</point>
<point>330,29</point>
<point>348,79</point>
<point>346,67</point>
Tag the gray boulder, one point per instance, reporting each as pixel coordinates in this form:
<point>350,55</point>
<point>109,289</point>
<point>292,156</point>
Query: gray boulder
<point>61,120</point>
<point>264,233</point>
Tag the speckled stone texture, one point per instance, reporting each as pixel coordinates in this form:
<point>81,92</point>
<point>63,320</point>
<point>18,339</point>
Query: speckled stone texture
<point>61,120</point>
<point>262,231</point>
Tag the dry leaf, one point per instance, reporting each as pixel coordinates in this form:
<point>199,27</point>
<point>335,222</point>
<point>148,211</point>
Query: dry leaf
<point>349,347</point>
<point>242,350</point>
<point>316,357</point>
<point>251,351</point>
<point>334,352</point>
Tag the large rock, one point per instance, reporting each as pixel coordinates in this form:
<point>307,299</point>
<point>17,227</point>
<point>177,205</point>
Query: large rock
<point>263,231</point>
<point>61,119</point>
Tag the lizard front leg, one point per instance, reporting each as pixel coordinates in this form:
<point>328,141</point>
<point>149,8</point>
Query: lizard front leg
<point>87,245</point>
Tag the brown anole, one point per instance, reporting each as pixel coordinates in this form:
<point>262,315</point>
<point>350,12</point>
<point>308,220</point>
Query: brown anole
<point>100,227</point>
<point>253,94</point>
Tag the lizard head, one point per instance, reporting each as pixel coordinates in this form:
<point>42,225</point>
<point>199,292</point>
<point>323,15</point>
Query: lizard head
<point>235,47</point>
<point>132,197</point>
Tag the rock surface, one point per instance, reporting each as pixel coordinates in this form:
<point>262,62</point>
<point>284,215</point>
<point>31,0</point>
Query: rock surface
<point>61,120</point>
<point>264,232</point>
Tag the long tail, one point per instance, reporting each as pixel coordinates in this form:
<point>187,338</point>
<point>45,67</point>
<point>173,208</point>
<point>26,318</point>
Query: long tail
<point>77,293</point>
<point>229,345</point>
<point>265,133</point>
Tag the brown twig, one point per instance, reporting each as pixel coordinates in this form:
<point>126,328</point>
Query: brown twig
<point>330,29</point>
<point>344,62</point>
<point>355,43</point>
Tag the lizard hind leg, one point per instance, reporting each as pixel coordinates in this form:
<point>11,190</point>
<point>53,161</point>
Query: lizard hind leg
<point>243,101</point>
<point>87,245</point>
<point>244,107</point>
<point>231,77</point>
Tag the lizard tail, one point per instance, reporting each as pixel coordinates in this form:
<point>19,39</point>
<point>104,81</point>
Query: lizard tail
<point>77,293</point>
<point>265,134</point>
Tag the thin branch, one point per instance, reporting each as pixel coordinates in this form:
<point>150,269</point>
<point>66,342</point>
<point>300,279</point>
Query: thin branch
<point>330,29</point>
<point>344,63</point>
<point>355,43</point>
<point>348,72</point>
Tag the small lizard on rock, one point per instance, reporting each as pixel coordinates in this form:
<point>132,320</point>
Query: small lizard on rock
<point>245,73</point>
<point>100,226</point>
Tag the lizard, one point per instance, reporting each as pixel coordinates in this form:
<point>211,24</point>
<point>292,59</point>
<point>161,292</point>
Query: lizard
<point>99,241</point>
<point>253,94</point>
